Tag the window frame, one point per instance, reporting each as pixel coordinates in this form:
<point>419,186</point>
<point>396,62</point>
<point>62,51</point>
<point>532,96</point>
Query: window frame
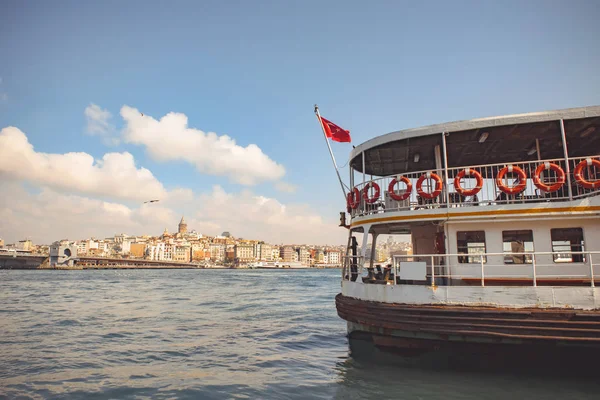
<point>466,257</point>
<point>527,256</point>
<point>574,258</point>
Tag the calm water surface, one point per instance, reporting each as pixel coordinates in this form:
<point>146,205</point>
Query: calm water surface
<point>216,334</point>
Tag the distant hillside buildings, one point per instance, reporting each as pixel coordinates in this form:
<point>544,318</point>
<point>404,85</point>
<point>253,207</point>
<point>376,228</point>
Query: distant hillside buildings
<point>191,246</point>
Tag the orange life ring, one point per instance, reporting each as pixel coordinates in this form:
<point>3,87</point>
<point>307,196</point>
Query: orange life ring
<point>369,185</point>
<point>438,185</point>
<point>519,187</point>
<point>353,198</point>
<point>468,192</point>
<point>578,173</point>
<point>537,177</point>
<point>405,195</point>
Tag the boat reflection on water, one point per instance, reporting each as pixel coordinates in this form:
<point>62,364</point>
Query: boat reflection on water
<point>373,372</point>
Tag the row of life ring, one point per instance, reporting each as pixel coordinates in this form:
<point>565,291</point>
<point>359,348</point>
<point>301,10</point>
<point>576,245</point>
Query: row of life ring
<point>353,199</point>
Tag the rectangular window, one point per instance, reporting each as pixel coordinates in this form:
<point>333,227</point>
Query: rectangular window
<point>471,243</point>
<point>564,242</point>
<point>517,242</point>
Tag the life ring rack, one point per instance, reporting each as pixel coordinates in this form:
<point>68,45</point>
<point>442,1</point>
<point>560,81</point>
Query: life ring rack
<point>578,173</point>
<point>352,199</point>
<point>438,185</point>
<point>369,185</point>
<point>560,174</point>
<point>468,192</point>
<point>392,185</point>
<point>519,187</point>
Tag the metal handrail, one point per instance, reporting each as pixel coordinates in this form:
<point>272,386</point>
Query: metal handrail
<point>534,265</point>
<point>488,195</point>
<point>347,262</point>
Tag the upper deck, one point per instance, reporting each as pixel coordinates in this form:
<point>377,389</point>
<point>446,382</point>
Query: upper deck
<point>539,160</point>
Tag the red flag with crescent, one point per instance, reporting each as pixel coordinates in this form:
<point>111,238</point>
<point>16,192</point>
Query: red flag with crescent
<point>336,133</point>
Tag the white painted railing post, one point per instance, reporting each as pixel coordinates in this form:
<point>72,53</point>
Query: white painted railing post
<point>563,136</point>
<point>591,269</point>
<point>534,271</point>
<point>432,271</point>
<point>482,273</point>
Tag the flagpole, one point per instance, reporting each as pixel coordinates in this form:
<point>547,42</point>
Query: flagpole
<point>330,151</point>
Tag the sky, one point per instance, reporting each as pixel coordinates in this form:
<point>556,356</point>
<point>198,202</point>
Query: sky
<point>208,106</point>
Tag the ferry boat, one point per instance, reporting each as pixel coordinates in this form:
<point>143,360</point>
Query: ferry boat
<point>503,216</point>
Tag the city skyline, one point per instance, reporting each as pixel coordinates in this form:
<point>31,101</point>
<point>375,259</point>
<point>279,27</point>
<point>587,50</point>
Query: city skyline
<point>212,114</point>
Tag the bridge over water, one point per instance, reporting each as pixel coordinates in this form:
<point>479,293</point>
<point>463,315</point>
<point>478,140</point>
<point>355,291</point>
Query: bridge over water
<point>22,261</point>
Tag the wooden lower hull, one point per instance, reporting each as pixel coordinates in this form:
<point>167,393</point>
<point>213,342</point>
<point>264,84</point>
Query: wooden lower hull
<point>434,326</point>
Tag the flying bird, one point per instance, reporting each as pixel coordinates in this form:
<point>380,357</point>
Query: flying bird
<point>151,201</point>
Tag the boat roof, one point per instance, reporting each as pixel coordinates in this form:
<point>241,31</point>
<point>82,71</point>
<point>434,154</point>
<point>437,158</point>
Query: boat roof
<point>533,125</point>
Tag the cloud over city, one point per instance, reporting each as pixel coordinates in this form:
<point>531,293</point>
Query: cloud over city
<point>75,196</point>
<point>170,138</point>
<point>47,215</point>
<point>115,175</point>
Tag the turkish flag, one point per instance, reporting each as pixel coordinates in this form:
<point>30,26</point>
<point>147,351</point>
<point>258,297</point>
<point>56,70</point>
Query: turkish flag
<point>334,132</point>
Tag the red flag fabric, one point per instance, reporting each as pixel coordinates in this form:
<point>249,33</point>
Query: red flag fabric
<point>334,132</point>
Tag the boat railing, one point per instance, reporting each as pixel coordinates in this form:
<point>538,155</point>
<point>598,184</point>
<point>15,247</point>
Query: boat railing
<point>488,192</point>
<point>508,269</point>
<point>350,264</point>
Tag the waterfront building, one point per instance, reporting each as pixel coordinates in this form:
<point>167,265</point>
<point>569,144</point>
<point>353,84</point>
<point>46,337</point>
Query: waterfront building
<point>137,250</point>
<point>125,247</point>
<point>82,247</point>
<point>160,251</point>
<point>320,256</point>
<point>217,251</point>
<point>220,240</point>
<point>120,238</point>
<point>333,257</point>
<point>276,253</point>
<point>287,253</point>
<point>182,253</point>
<point>266,252</point>
<point>244,253</point>
<point>229,252</point>
<point>26,245</point>
<point>198,252</point>
<point>303,255</point>
<point>257,247</point>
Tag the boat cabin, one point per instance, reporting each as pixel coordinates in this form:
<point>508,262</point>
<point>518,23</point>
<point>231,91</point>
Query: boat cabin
<point>503,201</point>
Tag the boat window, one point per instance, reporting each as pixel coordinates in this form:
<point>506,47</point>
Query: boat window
<point>471,243</point>
<point>564,242</point>
<point>517,242</point>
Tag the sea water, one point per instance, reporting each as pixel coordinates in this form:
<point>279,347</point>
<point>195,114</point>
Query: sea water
<point>219,334</point>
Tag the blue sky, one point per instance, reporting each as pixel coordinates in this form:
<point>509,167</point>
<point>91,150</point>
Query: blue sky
<point>253,70</point>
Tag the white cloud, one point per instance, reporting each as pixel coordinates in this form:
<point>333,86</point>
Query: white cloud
<point>285,187</point>
<point>115,175</point>
<point>251,216</point>
<point>50,215</point>
<point>170,138</point>
<point>98,123</point>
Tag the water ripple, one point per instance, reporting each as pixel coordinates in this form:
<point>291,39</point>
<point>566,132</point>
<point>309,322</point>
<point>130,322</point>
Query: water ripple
<point>212,335</point>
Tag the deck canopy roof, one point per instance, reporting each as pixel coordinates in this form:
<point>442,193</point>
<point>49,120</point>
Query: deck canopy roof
<point>510,138</point>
